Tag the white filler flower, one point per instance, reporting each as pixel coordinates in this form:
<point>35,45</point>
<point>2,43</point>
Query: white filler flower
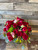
<point>15,21</point>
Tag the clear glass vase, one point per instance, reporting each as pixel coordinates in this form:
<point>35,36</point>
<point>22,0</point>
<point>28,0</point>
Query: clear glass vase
<point>16,46</point>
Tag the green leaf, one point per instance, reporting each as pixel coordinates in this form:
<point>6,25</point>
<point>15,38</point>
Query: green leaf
<point>19,41</point>
<point>29,41</point>
<point>10,29</point>
<point>15,40</point>
<point>26,32</point>
<point>4,35</point>
<point>29,38</point>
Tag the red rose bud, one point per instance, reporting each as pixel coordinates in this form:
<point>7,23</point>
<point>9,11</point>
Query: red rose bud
<point>24,29</point>
<point>4,29</point>
<point>7,22</point>
<point>25,36</point>
<point>29,29</point>
<point>20,19</point>
<point>25,23</point>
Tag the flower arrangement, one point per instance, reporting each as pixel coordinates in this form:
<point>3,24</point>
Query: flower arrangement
<point>17,30</point>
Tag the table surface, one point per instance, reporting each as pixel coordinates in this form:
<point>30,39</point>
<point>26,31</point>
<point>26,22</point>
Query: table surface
<point>32,46</point>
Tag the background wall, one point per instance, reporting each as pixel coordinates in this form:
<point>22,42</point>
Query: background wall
<point>26,9</point>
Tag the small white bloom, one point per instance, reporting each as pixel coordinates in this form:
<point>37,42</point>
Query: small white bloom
<point>13,35</point>
<point>15,21</point>
<point>22,26</point>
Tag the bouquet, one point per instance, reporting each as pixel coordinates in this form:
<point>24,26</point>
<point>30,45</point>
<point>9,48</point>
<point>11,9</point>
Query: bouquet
<point>17,30</point>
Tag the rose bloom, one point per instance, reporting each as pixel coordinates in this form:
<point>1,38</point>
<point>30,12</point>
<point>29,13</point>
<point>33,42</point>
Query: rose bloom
<point>24,29</point>
<point>19,19</point>
<point>20,33</point>
<point>25,36</point>
<point>8,26</point>
<point>14,25</point>
<point>29,29</point>
<point>4,29</point>
<point>20,23</point>
<point>9,22</point>
<point>9,36</point>
<point>25,23</point>
<point>15,31</point>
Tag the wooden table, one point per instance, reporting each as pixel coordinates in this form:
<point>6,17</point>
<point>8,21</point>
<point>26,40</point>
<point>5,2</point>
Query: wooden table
<point>12,46</point>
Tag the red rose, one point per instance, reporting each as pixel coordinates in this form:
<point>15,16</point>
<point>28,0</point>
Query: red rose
<point>4,29</point>
<point>9,22</point>
<point>8,26</point>
<point>9,36</point>
<point>29,29</point>
<point>14,25</point>
<point>25,23</point>
<point>24,29</point>
<point>20,23</point>
<point>15,31</point>
<point>20,19</point>
<point>25,36</point>
<point>20,33</point>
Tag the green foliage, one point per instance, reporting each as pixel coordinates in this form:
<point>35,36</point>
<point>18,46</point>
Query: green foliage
<point>10,29</point>
<point>4,35</point>
<point>26,31</point>
<point>16,40</point>
<point>29,40</point>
